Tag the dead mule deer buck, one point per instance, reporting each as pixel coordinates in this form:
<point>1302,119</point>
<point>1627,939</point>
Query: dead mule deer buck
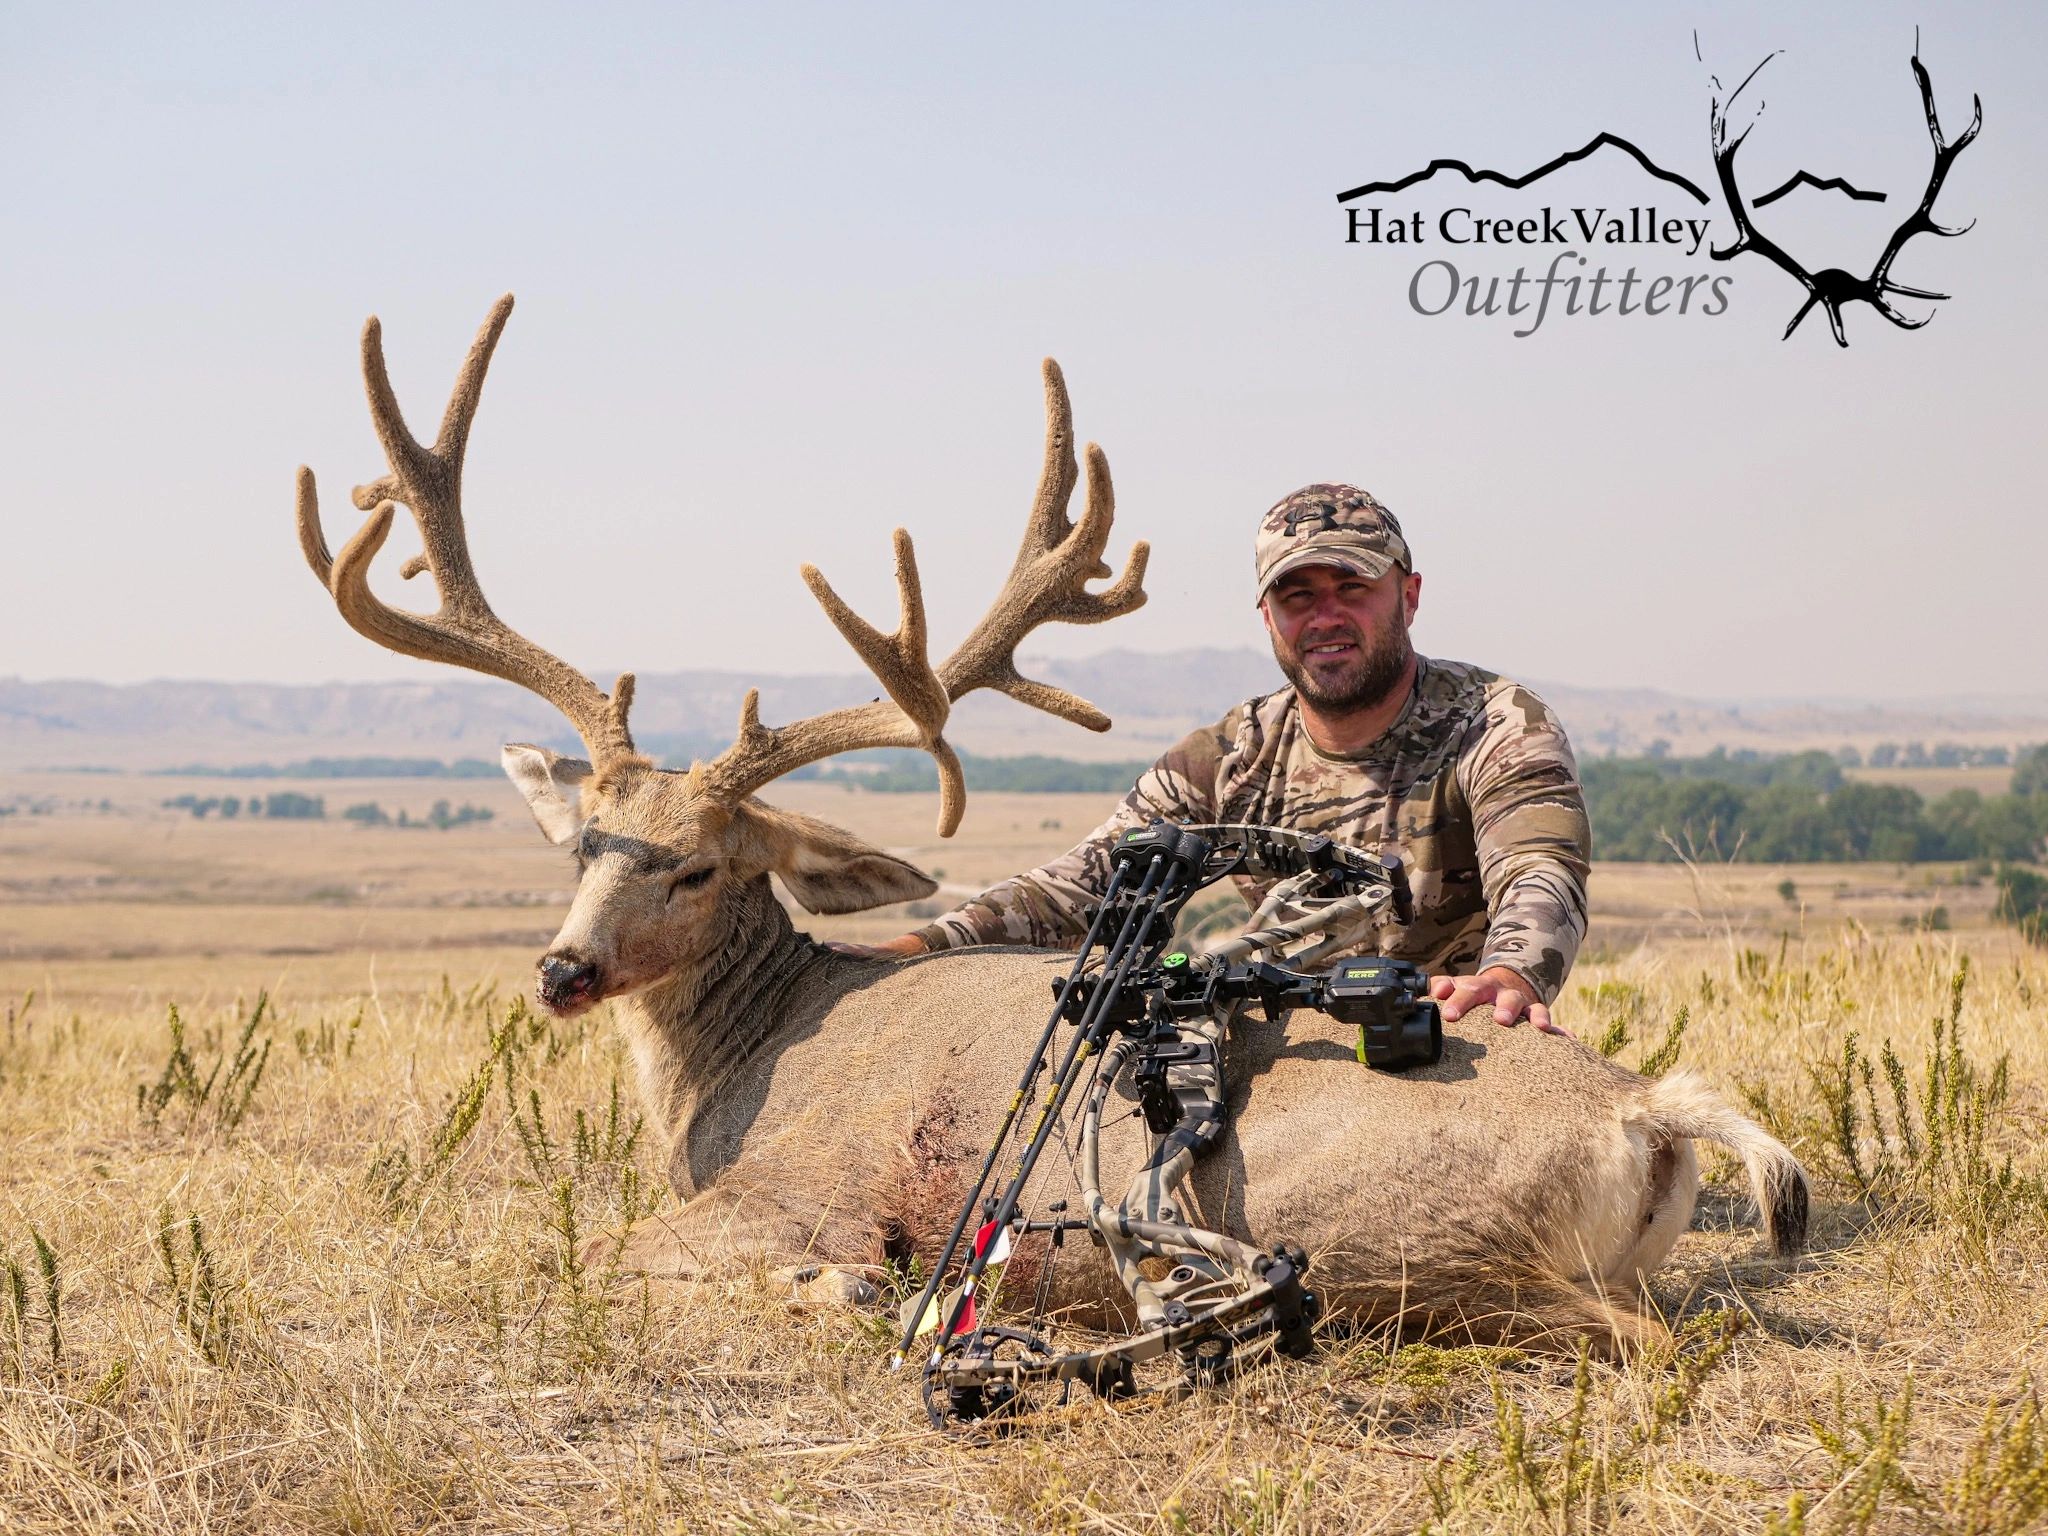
<point>823,1113</point>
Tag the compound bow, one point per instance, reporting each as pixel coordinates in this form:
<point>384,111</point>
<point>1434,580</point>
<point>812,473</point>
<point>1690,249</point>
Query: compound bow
<point>1161,1017</point>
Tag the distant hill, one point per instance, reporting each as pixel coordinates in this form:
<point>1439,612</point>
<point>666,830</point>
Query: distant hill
<point>1154,699</point>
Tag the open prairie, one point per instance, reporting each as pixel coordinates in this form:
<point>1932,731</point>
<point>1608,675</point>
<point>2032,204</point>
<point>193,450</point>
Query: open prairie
<point>302,1256</point>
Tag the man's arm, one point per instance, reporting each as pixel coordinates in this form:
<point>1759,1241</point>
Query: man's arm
<point>1535,850</point>
<point>1046,907</point>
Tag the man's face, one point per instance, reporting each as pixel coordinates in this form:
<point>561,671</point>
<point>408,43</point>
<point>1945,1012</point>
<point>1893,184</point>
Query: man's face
<point>1342,638</point>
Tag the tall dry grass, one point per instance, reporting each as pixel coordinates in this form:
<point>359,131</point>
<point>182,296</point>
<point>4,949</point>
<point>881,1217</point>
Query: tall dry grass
<point>311,1263</point>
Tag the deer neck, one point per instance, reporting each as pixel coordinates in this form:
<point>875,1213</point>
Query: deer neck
<point>693,1030</point>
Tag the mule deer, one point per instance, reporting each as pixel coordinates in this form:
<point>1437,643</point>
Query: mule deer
<point>823,1111</point>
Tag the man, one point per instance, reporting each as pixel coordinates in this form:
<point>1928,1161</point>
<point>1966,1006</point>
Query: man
<point>1465,775</point>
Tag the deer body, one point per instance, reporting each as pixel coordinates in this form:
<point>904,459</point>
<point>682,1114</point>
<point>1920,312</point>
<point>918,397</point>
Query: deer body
<point>823,1112</point>
<point>1522,1173</point>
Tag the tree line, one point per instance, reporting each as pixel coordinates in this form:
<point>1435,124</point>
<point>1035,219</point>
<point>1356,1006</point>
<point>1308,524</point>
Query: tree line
<point>339,768</point>
<point>292,806</point>
<point>1803,809</point>
<point>286,806</point>
<point>440,817</point>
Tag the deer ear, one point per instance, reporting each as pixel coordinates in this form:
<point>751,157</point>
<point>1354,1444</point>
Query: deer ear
<point>827,870</point>
<point>547,779</point>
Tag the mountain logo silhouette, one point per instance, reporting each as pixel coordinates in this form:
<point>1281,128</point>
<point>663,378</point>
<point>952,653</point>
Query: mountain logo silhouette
<point>1598,141</point>
<point>1808,179</point>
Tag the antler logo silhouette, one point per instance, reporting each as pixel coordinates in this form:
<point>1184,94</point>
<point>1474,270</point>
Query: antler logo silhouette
<point>1831,287</point>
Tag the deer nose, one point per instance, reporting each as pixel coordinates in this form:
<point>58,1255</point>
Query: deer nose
<point>566,982</point>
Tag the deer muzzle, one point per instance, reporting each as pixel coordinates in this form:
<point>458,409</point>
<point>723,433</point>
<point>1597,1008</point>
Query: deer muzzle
<point>567,983</point>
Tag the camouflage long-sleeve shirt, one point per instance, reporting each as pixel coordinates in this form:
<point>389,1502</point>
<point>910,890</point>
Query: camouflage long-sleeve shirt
<point>1474,786</point>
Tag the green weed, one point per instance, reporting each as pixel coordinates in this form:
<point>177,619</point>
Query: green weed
<point>328,1041</point>
<point>18,1295</point>
<point>200,1304</point>
<point>1702,1344</point>
<point>2002,1489</point>
<point>222,1099</point>
<point>1867,1455</point>
<point>587,1304</point>
<point>1548,1471</point>
<point>1665,1056</point>
<point>1930,1149</point>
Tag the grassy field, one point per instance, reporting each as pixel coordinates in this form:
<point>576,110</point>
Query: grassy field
<point>1930,784</point>
<point>305,1259</point>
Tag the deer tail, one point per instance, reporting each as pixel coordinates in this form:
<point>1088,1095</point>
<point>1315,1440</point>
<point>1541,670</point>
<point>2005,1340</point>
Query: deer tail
<point>1682,1104</point>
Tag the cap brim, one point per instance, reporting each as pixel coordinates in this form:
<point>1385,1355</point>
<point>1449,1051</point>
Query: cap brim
<point>1358,561</point>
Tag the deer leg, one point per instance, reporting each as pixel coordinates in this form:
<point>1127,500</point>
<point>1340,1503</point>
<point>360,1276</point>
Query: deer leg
<point>1614,1324</point>
<point>721,1236</point>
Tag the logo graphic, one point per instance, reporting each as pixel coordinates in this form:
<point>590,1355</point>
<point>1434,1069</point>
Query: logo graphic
<point>1438,286</point>
<point>1516,183</point>
<point>1807,179</point>
<point>1831,287</point>
<point>1323,515</point>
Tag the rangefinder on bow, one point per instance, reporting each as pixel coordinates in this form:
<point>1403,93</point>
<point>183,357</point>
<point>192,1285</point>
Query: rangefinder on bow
<point>1397,1026</point>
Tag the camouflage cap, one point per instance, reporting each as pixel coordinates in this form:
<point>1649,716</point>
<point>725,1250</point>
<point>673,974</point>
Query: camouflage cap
<point>1328,525</point>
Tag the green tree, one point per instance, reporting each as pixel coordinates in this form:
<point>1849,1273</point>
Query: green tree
<point>2030,771</point>
<point>1877,821</point>
<point>2023,902</point>
<point>1955,818</point>
<point>1786,823</point>
<point>2010,827</point>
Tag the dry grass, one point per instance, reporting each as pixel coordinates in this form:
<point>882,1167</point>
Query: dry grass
<point>353,1302</point>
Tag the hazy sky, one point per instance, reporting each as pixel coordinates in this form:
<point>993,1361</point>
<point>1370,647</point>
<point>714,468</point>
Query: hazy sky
<point>785,274</point>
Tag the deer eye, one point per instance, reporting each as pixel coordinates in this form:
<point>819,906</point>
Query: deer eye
<point>691,880</point>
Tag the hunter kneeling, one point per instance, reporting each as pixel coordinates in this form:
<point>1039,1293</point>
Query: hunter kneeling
<point>1464,776</point>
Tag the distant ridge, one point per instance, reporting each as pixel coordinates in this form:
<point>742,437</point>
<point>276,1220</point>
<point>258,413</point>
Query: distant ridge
<point>1155,699</point>
<point>1808,179</point>
<point>1541,171</point>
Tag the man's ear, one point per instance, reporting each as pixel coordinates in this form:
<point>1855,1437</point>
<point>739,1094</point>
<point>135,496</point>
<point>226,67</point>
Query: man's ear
<point>827,870</point>
<point>547,779</point>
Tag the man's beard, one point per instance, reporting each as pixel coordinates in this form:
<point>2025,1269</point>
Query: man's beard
<point>1369,678</point>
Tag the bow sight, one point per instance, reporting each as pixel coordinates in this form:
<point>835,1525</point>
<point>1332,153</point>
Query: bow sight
<point>1153,1022</point>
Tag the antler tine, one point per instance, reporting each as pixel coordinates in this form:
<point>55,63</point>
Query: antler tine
<point>897,659</point>
<point>463,631</point>
<point>312,538</point>
<point>915,717</point>
<point>1921,220</point>
<point>1048,581</point>
<point>1048,523</point>
<point>1747,236</point>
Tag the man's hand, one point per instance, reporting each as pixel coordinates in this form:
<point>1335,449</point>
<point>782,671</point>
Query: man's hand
<point>892,949</point>
<point>1513,998</point>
